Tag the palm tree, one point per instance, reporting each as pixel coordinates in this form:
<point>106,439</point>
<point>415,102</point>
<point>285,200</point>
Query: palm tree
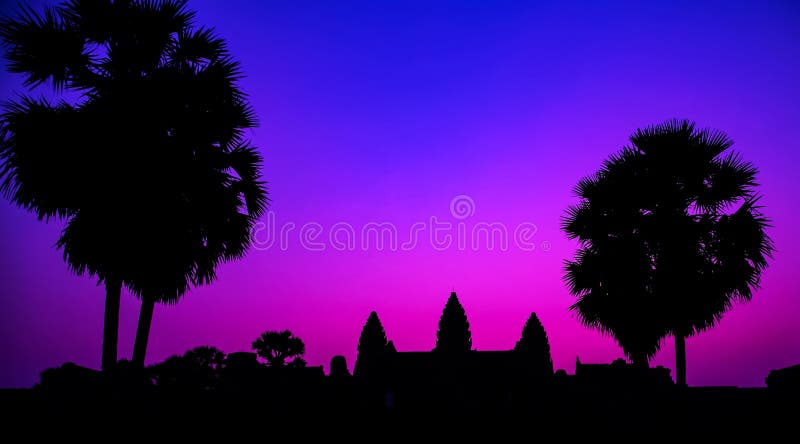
<point>47,150</point>
<point>149,166</point>
<point>671,236</point>
<point>206,213</point>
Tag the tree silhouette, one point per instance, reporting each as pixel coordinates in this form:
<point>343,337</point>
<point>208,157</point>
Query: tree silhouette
<point>535,345</point>
<point>453,335</point>
<point>372,348</point>
<point>670,237</point>
<point>276,347</point>
<point>198,369</point>
<point>148,166</point>
<point>206,357</point>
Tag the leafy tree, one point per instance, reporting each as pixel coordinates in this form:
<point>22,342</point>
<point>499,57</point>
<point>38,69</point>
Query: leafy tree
<point>278,347</point>
<point>197,369</point>
<point>147,164</point>
<point>670,235</point>
<point>453,335</point>
<point>535,345</point>
<point>372,347</point>
<point>206,357</point>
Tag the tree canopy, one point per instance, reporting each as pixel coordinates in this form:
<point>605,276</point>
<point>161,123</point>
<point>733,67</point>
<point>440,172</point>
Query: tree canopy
<point>671,235</point>
<point>280,348</point>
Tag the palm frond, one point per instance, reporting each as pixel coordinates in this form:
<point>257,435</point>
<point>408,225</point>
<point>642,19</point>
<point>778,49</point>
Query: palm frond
<point>246,162</point>
<point>714,142</point>
<point>729,180</point>
<point>197,46</point>
<point>42,156</point>
<point>42,47</point>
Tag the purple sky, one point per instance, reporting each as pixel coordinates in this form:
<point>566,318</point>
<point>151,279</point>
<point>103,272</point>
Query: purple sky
<point>385,112</point>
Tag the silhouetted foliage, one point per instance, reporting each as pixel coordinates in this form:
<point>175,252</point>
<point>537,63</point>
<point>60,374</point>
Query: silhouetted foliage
<point>390,348</point>
<point>240,367</point>
<point>535,345</point>
<point>197,369</point>
<point>297,363</point>
<point>69,379</point>
<point>278,347</point>
<point>786,380</point>
<point>453,334</point>
<point>372,347</point>
<point>152,147</point>
<point>670,237</point>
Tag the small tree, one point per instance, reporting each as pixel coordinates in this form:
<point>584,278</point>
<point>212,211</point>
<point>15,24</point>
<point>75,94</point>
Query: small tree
<point>198,369</point>
<point>206,357</point>
<point>278,347</point>
<point>453,335</point>
<point>372,347</point>
<point>535,345</point>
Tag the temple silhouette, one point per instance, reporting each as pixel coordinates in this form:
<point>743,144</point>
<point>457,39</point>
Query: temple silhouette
<point>455,376</point>
<point>452,375</point>
<point>387,384</point>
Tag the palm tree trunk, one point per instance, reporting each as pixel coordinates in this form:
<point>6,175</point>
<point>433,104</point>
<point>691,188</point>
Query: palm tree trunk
<point>111,324</point>
<point>143,331</point>
<point>680,360</point>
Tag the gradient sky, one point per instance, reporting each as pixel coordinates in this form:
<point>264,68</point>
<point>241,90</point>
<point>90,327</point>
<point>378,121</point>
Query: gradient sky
<point>385,111</point>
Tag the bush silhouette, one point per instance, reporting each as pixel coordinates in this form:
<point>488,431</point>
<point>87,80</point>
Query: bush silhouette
<point>198,369</point>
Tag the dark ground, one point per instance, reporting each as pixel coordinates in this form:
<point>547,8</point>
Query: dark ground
<point>681,415</point>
